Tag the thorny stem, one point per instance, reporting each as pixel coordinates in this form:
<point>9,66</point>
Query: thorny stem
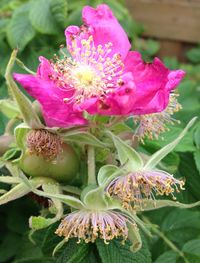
<point>165,239</point>
<point>91,165</point>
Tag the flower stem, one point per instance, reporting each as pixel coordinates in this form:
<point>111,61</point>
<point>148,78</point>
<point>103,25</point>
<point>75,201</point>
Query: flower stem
<point>165,239</point>
<point>91,165</point>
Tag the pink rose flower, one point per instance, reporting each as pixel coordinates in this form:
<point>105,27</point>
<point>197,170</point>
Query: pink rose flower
<point>101,77</point>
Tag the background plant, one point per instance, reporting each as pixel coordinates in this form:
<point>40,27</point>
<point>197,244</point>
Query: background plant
<point>36,28</point>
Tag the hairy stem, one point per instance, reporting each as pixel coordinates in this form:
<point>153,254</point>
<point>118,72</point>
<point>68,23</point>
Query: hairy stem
<point>91,165</point>
<point>165,239</point>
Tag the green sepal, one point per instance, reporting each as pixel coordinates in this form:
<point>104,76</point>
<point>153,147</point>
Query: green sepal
<point>148,205</point>
<point>18,191</point>
<point>134,237</point>
<point>66,199</point>
<point>39,222</point>
<point>25,106</point>
<point>57,204</point>
<point>13,169</point>
<point>9,180</point>
<point>94,198</point>
<point>105,172</point>
<point>9,108</point>
<point>87,189</point>
<point>159,155</point>
<point>82,137</point>
<point>128,157</point>
<point>59,246</point>
<point>20,135</point>
<point>133,217</point>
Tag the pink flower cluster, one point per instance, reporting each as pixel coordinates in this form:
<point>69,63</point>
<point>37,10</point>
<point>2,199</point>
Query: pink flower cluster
<point>102,76</point>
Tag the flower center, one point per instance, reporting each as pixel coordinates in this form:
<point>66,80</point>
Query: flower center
<point>85,75</point>
<point>92,70</point>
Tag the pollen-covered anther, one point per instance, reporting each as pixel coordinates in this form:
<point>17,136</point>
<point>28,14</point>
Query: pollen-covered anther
<point>152,125</point>
<point>92,71</point>
<point>89,225</point>
<point>132,188</point>
<point>44,143</point>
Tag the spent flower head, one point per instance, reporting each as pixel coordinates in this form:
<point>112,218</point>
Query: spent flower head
<point>151,125</point>
<point>88,225</point>
<point>139,180</point>
<point>139,185</point>
<point>44,143</point>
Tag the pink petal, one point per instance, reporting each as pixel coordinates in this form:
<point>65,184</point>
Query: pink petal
<point>55,111</point>
<point>153,83</point>
<point>118,102</point>
<point>44,69</point>
<point>104,27</point>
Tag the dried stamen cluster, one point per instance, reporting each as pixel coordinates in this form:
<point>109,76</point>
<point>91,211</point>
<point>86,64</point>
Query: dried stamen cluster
<point>152,125</point>
<point>89,225</point>
<point>44,143</point>
<point>132,188</point>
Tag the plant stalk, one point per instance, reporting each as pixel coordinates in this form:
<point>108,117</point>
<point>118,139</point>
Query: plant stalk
<point>91,165</point>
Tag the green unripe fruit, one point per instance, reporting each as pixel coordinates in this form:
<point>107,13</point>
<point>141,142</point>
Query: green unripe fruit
<point>61,164</point>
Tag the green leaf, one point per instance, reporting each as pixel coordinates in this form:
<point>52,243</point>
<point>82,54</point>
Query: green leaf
<point>41,17</point>
<point>127,155</point>
<point>197,136</point>
<point>116,252</point>
<point>192,250</point>
<point>59,9</point>
<point>194,55</point>
<point>34,259</point>
<point>167,257</point>
<point>20,31</point>
<point>74,253</point>
<point>25,106</point>
<point>9,108</point>
<point>82,137</point>
<point>188,170</point>
<point>9,247</point>
<point>181,225</point>
<point>159,155</point>
<point>46,239</point>
<point>197,159</point>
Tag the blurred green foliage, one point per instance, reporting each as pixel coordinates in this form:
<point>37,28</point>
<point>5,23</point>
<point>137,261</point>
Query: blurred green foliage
<point>36,27</point>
